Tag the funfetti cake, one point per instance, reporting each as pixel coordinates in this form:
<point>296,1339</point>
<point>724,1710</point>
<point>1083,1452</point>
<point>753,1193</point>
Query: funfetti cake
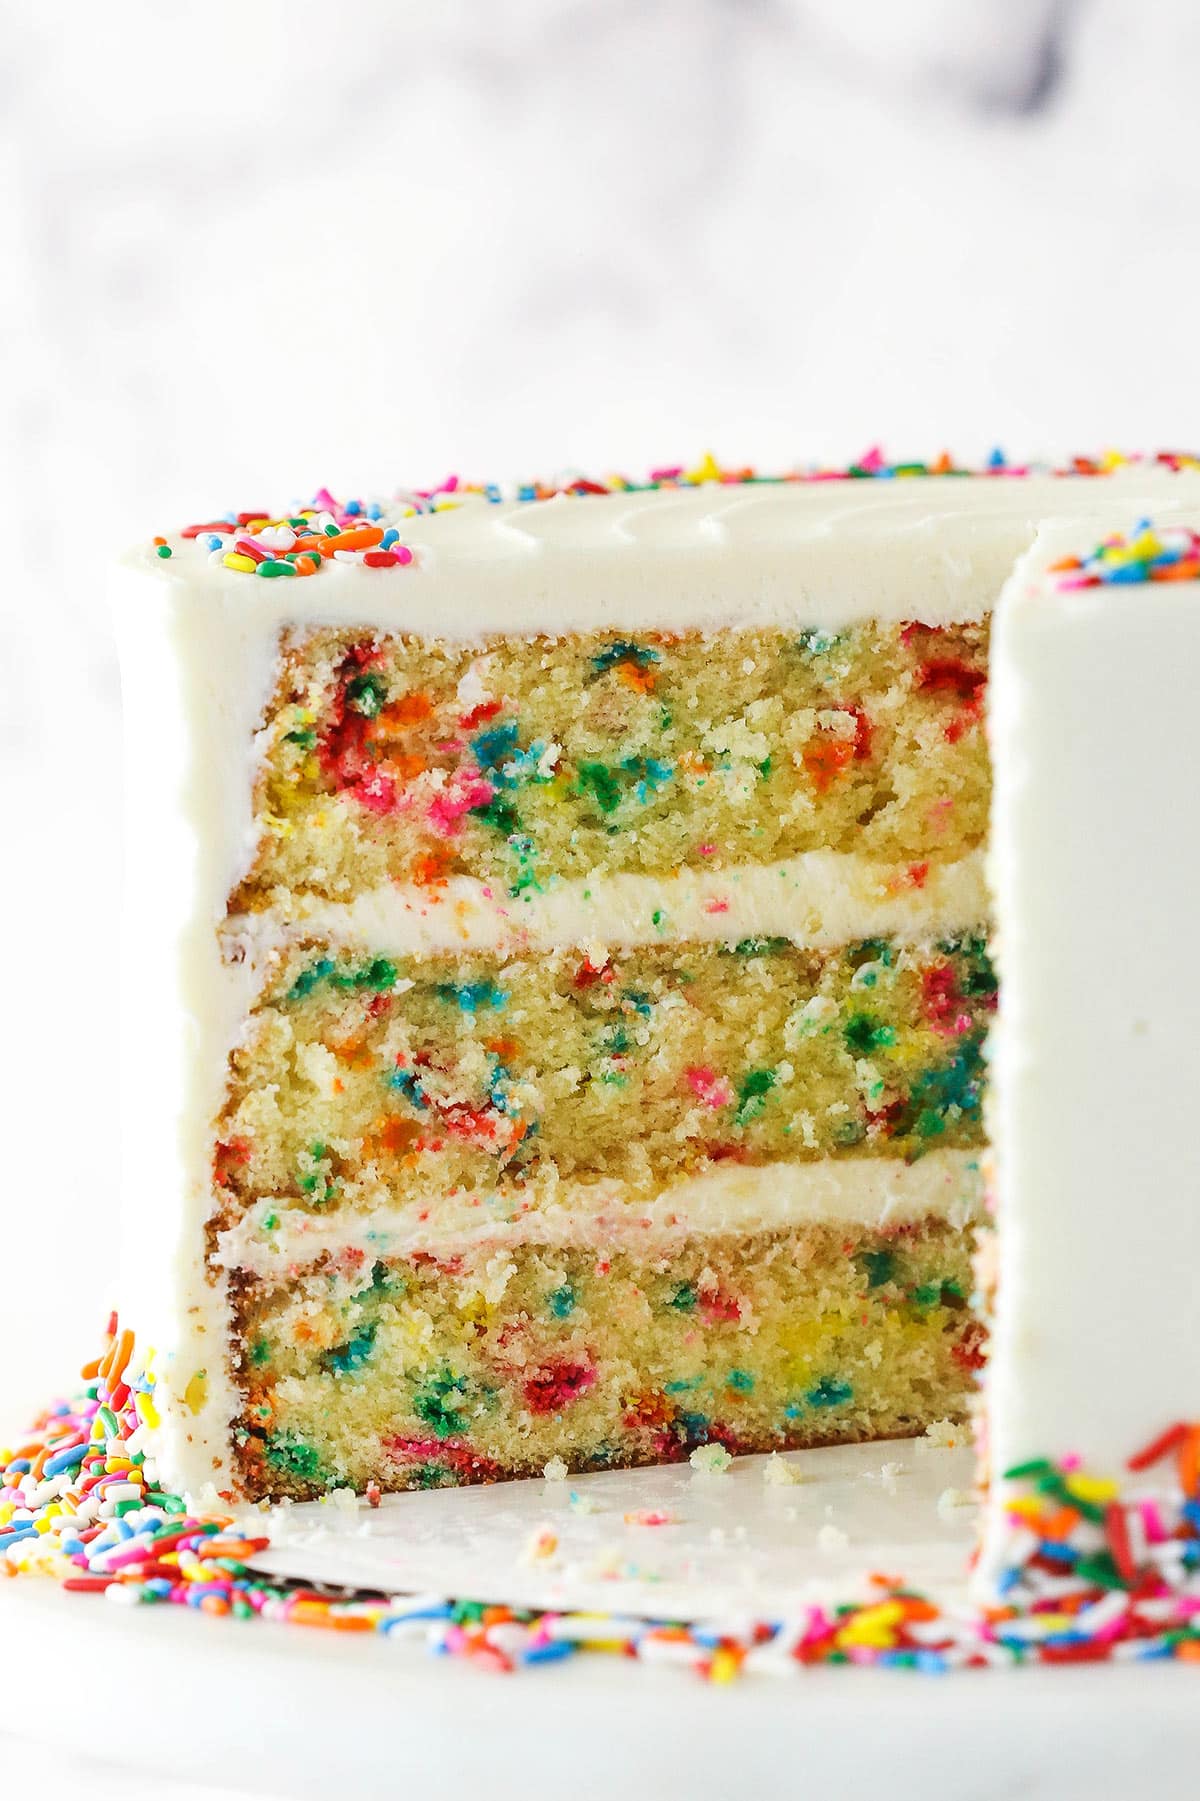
<point>557,968</point>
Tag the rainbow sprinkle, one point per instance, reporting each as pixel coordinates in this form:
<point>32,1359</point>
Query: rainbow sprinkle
<point>1089,1575</point>
<point>1171,554</point>
<point>255,542</point>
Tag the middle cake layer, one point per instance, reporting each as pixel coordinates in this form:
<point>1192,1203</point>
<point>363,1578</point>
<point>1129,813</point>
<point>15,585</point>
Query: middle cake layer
<point>362,1081</point>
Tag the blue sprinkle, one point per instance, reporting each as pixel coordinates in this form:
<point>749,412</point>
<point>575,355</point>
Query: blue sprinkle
<point>20,1466</point>
<point>65,1460</point>
<point>551,1652</point>
<point>16,1535</point>
<point>391,536</point>
<point>931,1663</point>
<point>471,996</point>
<point>441,1612</point>
<point>1057,1553</point>
<point>214,541</point>
<point>353,509</point>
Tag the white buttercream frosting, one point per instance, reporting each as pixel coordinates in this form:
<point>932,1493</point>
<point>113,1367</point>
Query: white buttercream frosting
<point>820,899</point>
<point>1095,864</point>
<point>199,647</point>
<point>872,1193</point>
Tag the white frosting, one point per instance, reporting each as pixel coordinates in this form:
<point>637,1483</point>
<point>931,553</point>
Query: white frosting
<point>1095,862</point>
<point>199,646</point>
<point>820,899</point>
<point>872,1193</point>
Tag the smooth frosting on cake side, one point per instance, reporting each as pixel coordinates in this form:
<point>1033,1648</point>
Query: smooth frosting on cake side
<point>1095,867</point>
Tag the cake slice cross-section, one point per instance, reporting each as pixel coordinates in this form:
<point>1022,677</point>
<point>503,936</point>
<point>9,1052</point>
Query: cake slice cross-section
<point>557,972</point>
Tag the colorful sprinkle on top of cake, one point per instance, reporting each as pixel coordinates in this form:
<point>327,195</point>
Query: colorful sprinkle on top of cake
<point>257,542</point>
<point>1170,553</point>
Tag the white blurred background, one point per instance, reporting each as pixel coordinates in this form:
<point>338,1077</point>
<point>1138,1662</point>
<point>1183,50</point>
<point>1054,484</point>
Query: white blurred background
<point>249,249</point>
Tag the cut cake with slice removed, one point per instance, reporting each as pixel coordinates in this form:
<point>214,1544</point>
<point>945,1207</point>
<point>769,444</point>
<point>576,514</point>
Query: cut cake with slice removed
<point>557,972</point>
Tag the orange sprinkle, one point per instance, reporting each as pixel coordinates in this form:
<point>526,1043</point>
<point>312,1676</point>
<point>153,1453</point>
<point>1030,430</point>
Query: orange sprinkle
<point>641,680</point>
<point>1189,1461</point>
<point>824,760</point>
<point>356,537</point>
<point>409,709</point>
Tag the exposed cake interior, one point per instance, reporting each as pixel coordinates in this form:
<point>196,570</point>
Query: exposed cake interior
<point>603,1186</point>
<point>530,760</point>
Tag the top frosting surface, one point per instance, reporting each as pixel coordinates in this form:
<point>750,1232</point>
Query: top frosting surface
<point>700,549</point>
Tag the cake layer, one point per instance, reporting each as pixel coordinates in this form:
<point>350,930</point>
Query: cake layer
<point>516,761</point>
<point>821,900</point>
<point>422,1373</point>
<point>361,1081</point>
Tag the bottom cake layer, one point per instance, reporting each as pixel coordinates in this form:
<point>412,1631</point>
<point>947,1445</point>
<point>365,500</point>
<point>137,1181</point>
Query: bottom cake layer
<point>418,1372</point>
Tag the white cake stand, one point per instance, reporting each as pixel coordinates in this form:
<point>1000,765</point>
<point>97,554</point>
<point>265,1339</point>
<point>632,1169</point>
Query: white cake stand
<point>146,1693</point>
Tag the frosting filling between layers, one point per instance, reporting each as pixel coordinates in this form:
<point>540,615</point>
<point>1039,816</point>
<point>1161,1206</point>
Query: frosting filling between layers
<point>870,1192</point>
<point>818,900</point>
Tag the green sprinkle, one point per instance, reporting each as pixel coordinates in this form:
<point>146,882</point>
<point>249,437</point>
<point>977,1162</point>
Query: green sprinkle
<point>740,1380</point>
<point>879,1265</point>
<point>865,1033</point>
<point>752,1094</point>
<point>684,1298</point>
<point>830,1392</point>
<point>293,1457</point>
<point>1036,1466</point>
<point>440,1403</point>
<point>367,693</point>
<point>162,550</point>
<point>276,567</point>
<point>260,1351</point>
<point>599,781</point>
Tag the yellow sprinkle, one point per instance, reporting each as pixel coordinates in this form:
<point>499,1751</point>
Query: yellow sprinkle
<point>196,1392</point>
<point>1029,1507</point>
<point>1091,1488</point>
<point>725,1666</point>
<point>147,1412</point>
<point>877,1637</point>
<point>233,559</point>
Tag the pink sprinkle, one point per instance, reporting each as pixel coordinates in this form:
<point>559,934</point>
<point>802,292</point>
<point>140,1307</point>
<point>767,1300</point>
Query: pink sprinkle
<point>716,906</point>
<point>465,790</point>
<point>377,794</point>
<point>324,502</point>
<point>713,1089</point>
<point>651,1516</point>
<point>706,850</point>
<point>402,554</point>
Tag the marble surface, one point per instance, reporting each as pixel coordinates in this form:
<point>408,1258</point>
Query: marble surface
<point>250,248</point>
